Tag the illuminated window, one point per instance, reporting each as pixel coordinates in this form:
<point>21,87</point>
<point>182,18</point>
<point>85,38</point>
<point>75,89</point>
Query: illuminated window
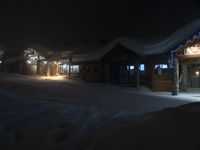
<point>142,67</point>
<point>162,66</point>
<point>132,67</point>
<point>65,66</point>
<point>75,69</point>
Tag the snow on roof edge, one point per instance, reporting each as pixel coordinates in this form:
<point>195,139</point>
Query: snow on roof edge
<point>173,39</point>
<point>132,44</point>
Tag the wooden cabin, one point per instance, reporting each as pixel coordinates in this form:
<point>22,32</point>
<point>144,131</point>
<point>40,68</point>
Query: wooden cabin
<point>38,61</point>
<point>170,65</point>
<point>116,63</point>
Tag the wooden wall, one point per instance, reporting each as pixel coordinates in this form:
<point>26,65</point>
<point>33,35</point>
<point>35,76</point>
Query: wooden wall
<point>161,83</point>
<point>91,72</point>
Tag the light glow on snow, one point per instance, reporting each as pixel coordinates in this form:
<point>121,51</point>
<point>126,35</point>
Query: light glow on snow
<point>55,78</point>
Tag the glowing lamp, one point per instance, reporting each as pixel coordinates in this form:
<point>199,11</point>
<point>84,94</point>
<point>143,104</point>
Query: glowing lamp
<point>45,62</point>
<point>197,73</point>
<point>28,61</point>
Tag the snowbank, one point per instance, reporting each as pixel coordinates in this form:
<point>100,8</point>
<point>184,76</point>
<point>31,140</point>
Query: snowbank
<point>172,128</point>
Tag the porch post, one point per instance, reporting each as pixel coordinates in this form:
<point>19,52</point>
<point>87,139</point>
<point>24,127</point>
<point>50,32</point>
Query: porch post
<point>138,75</point>
<point>48,69</point>
<point>175,78</point>
<point>184,78</point>
<point>129,72</point>
<point>69,66</point>
<point>151,82</point>
<point>38,64</point>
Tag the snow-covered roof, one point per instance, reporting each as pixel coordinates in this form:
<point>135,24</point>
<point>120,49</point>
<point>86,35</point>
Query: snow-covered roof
<point>129,43</point>
<point>141,49</point>
<point>96,51</point>
<point>61,55</point>
<point>173,40</point>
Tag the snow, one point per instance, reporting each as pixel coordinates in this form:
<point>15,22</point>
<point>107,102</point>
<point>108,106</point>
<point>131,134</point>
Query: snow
<point>75,114</point>
<point>139,47</point>
<point>172,128</point>
<point>130,43</point>
<point>80,92</point>
<point>173,40</point>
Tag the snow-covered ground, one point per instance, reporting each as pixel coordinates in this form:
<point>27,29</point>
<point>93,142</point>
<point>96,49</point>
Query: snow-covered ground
<point>74,91</point>
<point>38,113</point>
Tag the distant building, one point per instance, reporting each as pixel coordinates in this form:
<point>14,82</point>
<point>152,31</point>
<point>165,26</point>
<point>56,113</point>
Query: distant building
<point>38,60</point>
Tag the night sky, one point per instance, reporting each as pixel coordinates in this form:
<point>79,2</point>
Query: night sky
<point>62,23</point>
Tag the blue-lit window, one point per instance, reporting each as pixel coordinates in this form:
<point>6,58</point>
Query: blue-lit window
<point>132,67</point>
<point>162,66</point>
<point>142,67</point>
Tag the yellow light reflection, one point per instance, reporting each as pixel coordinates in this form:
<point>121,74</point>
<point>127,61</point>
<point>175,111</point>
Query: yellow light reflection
<point>55,78</point>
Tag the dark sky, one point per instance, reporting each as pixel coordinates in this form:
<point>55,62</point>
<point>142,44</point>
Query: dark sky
<point>62,23</point>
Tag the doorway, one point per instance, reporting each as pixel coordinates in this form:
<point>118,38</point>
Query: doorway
<point>194,76</point>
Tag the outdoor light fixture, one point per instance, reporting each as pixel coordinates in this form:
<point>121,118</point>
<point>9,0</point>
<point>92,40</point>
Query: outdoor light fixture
<point>28,61</point>
<point>197,73</point>
<point>192,50</point>
<point>0,61</point>
<point>45,62</point>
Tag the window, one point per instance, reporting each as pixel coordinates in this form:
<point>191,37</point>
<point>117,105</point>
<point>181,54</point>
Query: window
<point>162,66</point>
<point>75,69</point>
<point>142,67</point>
<point>161,69</point>
<point>132,67</point>
<point>64,68</point>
